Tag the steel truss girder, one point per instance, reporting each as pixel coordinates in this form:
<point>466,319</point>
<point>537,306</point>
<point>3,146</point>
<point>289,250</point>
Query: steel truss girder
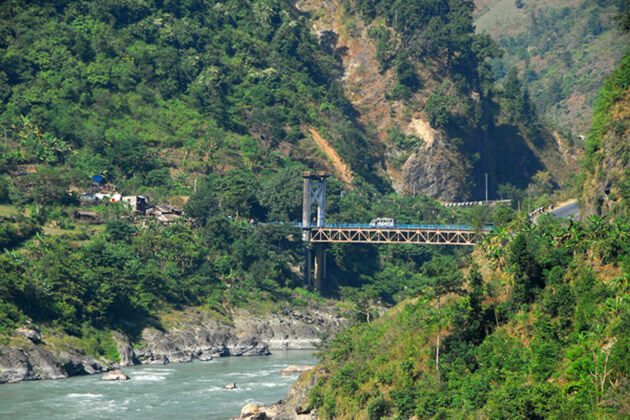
<point>396,236</point>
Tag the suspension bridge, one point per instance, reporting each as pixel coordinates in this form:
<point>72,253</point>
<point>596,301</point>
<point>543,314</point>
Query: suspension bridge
<point>316,232</point>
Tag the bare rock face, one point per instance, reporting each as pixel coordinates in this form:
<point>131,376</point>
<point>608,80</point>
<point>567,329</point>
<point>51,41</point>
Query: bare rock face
<point>75,364</point>
<point>437,170</point>
<point>18,364</point>
<point>294,407</point>
<point>125,350</point>
<point>32,333</point>
<point>199,336</point>
<point>258,412</point>
<point>193,335</point>
<point>294,369</point>
<point>249,346</point>
<point>291,329</point>
<point>198,340</point>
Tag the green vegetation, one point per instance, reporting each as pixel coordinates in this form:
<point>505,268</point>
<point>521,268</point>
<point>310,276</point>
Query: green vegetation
<point>537,329</point>
<point>533,324</point>
<point>612,93</point>
<point>149,95</point>
<point>204,103</point>
<point>563,49</point>
<point>439,34</point>
<point>158,98</point>
<point>605,186</point>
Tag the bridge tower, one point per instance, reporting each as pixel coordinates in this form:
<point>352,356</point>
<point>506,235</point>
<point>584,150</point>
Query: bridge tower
<point>314,194</point>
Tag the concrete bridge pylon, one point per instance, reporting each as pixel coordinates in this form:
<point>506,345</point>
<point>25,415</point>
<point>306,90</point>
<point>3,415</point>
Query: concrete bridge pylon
<point>314,194</point>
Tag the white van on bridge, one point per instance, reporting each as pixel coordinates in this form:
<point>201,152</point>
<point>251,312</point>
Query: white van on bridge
<point>382,222</point>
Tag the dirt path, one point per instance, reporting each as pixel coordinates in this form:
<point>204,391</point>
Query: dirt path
<point>341,168</point>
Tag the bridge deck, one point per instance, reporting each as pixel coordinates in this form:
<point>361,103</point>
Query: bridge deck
<point>399,234</point>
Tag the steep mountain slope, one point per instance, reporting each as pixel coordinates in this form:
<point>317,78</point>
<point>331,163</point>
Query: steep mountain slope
<point>534,326</point>
<point>606,184</point>
<point>564,49</point>
<point>442,122</point>
<point>154,94</point>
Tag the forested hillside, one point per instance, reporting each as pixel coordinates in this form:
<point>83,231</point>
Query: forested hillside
<point>423,84</point>
<point>564,50</point>
<point>606,184</point>
<point>151,94</point>
<point>207,106</point>
<point>533,326</point>
<point>211,111</point>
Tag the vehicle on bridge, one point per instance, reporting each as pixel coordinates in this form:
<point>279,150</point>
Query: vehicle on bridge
<point>382,222</point>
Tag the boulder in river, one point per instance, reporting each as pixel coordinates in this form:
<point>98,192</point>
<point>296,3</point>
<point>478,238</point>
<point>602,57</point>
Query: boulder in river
<point>114,375</point>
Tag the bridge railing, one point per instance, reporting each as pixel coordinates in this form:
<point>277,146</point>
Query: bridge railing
<point>485,228</point>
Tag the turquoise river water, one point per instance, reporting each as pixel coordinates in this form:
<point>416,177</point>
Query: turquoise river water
<point>174,391</point>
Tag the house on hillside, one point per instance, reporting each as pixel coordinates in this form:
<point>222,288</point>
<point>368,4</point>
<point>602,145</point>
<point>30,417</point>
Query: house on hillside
<point>164,213</point>
<point>88,199</point>
<point>138,203</point>
<point>109,197</point>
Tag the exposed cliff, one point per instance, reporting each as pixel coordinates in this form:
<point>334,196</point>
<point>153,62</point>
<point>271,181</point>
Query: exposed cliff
<point>606,185</point>
<point>438,137</point>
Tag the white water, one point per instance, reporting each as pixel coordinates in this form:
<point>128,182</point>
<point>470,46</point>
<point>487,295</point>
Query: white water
<point>175,391</point>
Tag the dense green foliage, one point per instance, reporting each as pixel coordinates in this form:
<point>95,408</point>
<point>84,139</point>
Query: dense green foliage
<point>564,51</point>
<point>158,98</point>
<point>543,336</point>
<point>439,33</point>
<point>205,103</point>
<point>127,275</point>
<point>613,91</point>
<point>606,165</point>
<point>124,275</point>
<point>110,88</point>
<point>197,99</point>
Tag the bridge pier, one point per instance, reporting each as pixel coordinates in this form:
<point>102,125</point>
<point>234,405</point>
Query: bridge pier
<point>315,266</point>
<point>308,267</point>
<point>314,193</point>
<point>319,275</point>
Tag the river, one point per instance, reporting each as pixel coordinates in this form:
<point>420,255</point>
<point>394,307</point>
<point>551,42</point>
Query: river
<point>173,391</point>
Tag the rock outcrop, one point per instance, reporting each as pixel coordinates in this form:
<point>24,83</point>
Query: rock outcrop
<point>426,170</point>
<point>188,335</point>
<point>606,176</point>
<point>32,333</point>
<point>295,407</point>
<point>34,362</point>
<point>197,335</point>
<point>293,369</point>
<point>125,350</point>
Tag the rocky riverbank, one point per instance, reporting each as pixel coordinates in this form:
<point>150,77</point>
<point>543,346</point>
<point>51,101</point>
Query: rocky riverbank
<point>183,336</point>
<point>295,406</point>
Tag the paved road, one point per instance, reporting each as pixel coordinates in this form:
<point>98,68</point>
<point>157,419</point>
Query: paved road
<point>570,210</point>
